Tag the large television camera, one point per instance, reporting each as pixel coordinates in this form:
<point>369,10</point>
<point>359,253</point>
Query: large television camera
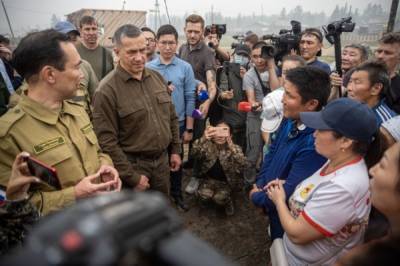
<point>118,229</point>
<point>281,45</point>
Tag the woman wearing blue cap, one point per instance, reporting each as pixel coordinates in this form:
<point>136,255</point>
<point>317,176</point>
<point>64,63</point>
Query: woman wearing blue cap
<point>328,212</point>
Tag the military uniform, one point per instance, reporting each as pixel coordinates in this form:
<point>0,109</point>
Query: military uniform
<point>63,139</point>
<point>232,162</point>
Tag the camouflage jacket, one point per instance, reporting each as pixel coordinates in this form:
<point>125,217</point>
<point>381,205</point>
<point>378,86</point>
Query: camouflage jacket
<point>230,157</point>
<point>16,218</point>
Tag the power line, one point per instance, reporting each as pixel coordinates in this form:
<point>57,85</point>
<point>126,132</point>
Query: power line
<point>166,9</point>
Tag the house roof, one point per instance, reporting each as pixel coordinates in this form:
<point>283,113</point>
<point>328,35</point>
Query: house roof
<point>110,20</point>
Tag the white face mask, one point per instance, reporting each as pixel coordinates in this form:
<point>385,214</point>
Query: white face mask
<point>241,60</point>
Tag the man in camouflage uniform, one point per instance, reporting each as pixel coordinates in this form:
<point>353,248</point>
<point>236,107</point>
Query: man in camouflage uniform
<point>221,164</point>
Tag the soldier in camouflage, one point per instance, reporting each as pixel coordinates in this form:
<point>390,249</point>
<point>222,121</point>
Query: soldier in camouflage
<point>221,166</point>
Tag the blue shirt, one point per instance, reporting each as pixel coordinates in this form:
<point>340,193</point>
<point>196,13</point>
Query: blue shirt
<point>321,65</point>
<point>180,73</point>
<point>383,112</point>
<point>291,157</point>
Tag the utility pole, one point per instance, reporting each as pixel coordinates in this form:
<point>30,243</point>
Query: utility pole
<point>123,5</point>
<point>212,14</point>
<point>157,17</point>
<point>8,20</point>
<point>392,16</point>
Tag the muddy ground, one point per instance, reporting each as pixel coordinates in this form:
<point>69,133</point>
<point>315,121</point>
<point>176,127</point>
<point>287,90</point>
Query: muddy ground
<point>241,237</point>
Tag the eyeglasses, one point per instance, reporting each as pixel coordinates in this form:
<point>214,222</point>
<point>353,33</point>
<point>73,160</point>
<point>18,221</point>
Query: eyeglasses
<point>166,43</point>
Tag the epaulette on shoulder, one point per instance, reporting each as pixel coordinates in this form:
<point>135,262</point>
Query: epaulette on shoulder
<point>80,104</point>
<point>9,119</point>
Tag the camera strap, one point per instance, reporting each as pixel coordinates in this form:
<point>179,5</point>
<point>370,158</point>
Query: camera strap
<point>265,89</point>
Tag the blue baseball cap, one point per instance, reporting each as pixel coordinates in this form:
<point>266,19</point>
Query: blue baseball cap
<point>348,117</point>
<point>65,27</point>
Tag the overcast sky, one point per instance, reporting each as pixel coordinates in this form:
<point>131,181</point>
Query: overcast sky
<point>29,14</point>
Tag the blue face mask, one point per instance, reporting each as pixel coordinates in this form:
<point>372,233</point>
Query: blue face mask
<point>241,60</point>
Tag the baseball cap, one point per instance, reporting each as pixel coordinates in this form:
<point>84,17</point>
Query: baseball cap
<point>272,113</point>
<point>65,27</point>
<point>242,49</point>
<point>348,117</point>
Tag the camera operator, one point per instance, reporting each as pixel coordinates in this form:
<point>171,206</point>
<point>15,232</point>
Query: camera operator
<point>257,83</point>
<point>229,80</point>
<point>250,40</point>
<point>352,56</point>
<point>213,41</point>
<point>310,48</point>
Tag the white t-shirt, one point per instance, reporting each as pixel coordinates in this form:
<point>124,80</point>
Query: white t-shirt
<point>337,205</point>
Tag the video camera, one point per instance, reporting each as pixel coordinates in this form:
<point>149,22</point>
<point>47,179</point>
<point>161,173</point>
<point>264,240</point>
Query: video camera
<point>337,27</point>
<point>281,45</point>
<point>123,228</point>
<point>219,29</point>
<point>239,40</point>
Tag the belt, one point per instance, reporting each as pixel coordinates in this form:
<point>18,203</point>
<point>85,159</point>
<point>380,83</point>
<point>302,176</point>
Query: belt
<point>145,156</point>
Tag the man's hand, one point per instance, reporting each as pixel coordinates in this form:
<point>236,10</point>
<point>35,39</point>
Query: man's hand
<point>175,162</point>
<point>187,137</point>
<point>170,88</point>
<point>204,107</point>
<point>254,190</point>
<point>108,173</point>
<point>5,53</point>
<point>271,63</point>
<point>200,87</point>
<point>242,72</point>
<point>143,183</point>
<point>336,80</point>
<point>87,186</point>
<point>227,95</point>
<point>20,180</point>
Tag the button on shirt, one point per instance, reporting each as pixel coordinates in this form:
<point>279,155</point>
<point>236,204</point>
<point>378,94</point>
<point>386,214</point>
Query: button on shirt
<point>133,116</point>
<point>180,73</point>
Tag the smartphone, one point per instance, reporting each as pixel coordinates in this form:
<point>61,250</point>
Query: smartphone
<point>222,131</point>
<point>44,172</point>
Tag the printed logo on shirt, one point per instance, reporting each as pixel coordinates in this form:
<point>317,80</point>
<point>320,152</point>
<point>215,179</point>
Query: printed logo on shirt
<point>304,192</point>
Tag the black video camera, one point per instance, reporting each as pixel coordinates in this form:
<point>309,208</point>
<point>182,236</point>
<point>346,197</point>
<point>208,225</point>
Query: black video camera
<point>281,45</point>
<point>122,228</point>
<point>219,29</point>
<point>239,40</point>
<point>337,27</point>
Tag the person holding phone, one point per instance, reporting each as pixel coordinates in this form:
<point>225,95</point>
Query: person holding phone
<point>51,128</point>
<point>221,163</point>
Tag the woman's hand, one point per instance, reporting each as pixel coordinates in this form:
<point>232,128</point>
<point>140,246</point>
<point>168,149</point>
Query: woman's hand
<point>20,180</point>
<point>276,192</point>
<point>210,132</point>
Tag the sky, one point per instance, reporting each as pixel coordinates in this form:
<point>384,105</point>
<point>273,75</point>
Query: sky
<point>26,15</point>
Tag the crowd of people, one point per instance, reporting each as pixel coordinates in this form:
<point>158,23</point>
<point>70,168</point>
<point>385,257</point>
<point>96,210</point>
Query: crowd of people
<point>323,169</point>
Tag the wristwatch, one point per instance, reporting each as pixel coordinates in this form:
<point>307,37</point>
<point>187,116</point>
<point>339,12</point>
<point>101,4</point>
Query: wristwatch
<point>189,130</point>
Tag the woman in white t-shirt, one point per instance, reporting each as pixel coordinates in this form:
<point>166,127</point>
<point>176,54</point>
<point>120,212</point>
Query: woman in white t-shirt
<point>328,212</point>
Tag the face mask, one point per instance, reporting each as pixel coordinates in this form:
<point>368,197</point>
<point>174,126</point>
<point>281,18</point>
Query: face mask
<point>241,60</point>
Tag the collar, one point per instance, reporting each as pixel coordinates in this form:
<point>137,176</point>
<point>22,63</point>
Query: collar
<point>125,75</point>
<point>39,111</point>
<point>158,62</point>
<point>198,46</point>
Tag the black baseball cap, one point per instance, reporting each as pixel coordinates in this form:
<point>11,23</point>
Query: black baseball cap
<point>348,117</point>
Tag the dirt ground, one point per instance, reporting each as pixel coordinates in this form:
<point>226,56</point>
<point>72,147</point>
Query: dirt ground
<point>241,237</point>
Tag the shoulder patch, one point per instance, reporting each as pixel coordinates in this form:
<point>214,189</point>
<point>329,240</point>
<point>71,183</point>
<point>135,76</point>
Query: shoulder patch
<point>10,118</point>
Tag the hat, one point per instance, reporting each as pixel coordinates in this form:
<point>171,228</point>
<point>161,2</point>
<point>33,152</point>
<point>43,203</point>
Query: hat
<point>393,127</point>
<point>242,49</point>
<point>65,27</point>
<point>272,113</point>
<point>348,117</point>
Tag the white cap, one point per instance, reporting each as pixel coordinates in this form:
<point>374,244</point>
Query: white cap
<point>272,113</point>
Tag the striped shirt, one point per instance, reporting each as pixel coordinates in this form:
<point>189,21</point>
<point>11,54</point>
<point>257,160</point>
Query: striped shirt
<point>383,112</point>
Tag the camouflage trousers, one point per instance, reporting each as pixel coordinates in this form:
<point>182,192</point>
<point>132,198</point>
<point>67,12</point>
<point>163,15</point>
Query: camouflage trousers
<point>214,190</point>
